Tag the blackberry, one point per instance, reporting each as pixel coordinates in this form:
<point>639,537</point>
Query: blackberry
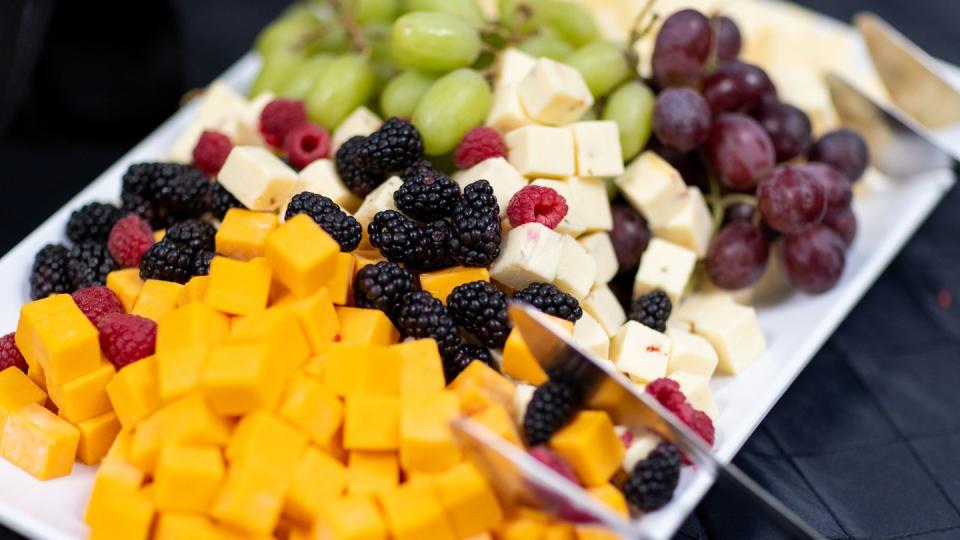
<point>652,481</point>
<point>354,174</point>
<point>343,227</point>
<point>201,263</point>
<point>464,355</point>
<point>192,234</point>
<point>421,166</point>
<point>132,203</point>
<point>393,147</point>
<point>93,222</point>
<point>397,237</point>
<point>185,195</point>
<point>652,310</point>
<point>88,264</point>
<point>436,247</point>
<point>476,226</point>
<point>550,300</point>
<point>427,195</point>
<point>148,180</point>
<point>553,405</point>
<point>481,309</point>
<point>222,200</point>
<point>169,262</point>
<point>49,273</point>
<point>421,315</point>
<point>382,286</point>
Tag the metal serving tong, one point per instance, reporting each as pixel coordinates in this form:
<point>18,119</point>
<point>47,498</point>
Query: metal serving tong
<point>521,476</point>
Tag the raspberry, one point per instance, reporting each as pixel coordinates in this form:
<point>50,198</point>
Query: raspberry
<point>552,406</point>
<point>476,226</point>
<point>49,273</point>
<point>652,310</point>
<point>481,309</point>
<point>222,200</point>
<point>354,174</point>
<point>652,481</point>
<point>427,194</point>
<point>192,234</point>
<point>211,151</point>
<point>279,117</point>
<point>479,144</point>
<point>668,393</point>
<point>92,222</point>
<point>550,300</point>
<point>343,227</point>
<point>397,237</point>
<point>95,302</point>
<point>393,147</point>
<point>10,355</point>
<point>168,262</point>
<point>464,355</point>
<point>129,239</point>
<point>126,338</point>
<point>423,316</point>
<point>538,204</point>
<point>88,264</point>
<point>555,461</point>
<point>382,286</point>
<point>305,144</point>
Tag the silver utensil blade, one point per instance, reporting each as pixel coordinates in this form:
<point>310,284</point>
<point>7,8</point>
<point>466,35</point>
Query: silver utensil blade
<point>899,147</point>
<point>909,74</point>
<point>608,390</point>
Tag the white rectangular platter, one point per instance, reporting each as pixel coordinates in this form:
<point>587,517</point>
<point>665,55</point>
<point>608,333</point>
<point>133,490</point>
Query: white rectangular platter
<point>889,211</point>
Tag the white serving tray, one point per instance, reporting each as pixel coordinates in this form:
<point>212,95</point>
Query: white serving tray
<point>889,212</point>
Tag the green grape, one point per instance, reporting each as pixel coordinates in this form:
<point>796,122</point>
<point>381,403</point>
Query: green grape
<point>456,103</point>
<point>590,115</point>
<point>467,10</point>
<point>631,107</point>
<point>285,31</point>
<point>373,11</point>
<point>572,22</point>
<point>435,42</point>
<point>602,64</point>
<point>522,16</point>
<point>299,85</point>
<point>403,92</point>
<point>378,40</point>
<point>279,67</point>
<point>547,43</point>
<point>347,83</point>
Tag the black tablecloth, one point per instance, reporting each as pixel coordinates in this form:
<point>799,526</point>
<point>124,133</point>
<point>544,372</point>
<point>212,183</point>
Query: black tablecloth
<point>865,444</point>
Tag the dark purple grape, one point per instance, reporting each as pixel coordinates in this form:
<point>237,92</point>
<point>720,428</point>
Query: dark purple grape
<point>630,236</point>
<point>735,87</point>
<point>681,49</point>
<point>728,38</point>
<point>681,118</point>
<point>836,189</point>
<point>844,223</point>
<point>739,151</point>
<point>791,200</point>
<point>814,259</point>
<point>739,212</point>
<point>738,256</point>
<point>788,127</point>
<point>845,150</point>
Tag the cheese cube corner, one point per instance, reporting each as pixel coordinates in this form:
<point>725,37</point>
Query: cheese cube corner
<point>187,478</point>
<point>541,151</point>
<point>257,178</point>
<point>641,352</point>
<point>55,335</point>
<point>597,148</point>
<point>371,422</point>
<point>600,247</point>
<point>414,512</point>
<point>654,188</point>
<point>362,121</point>
<point>667,266</point>
<point>531,253</point>
<point>426,442</point>
<point>39,442</point>
<point>603,306</point>
<point>303,256</point>
<point>238,287</point>
<point>692,225</point>
<point>243,233</point>
<point>505,180</point>
<point>555,94</point>
<point>578,271</point>
<point>441,283</point>
<point>590,444</point>
<point>321,177</point>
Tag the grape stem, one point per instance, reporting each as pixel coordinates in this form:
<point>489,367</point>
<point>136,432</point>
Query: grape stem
<point>639,29</point>
<point>357,39</point>
<point>728,200</point>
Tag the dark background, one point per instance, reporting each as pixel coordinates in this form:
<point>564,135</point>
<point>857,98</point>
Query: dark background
<point>865,444</point>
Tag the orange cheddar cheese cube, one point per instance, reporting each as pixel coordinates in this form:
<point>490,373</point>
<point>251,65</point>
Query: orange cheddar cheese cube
<point>426,441</point>
<point>278,329</point>
<point>522,528</point>
<point>39,442</point>
<point>96,437</point>
<point>591,446</point>
<point>146,442</point>
<point>498,419</point>
<point>366,257</point>
<point>191,324</point>
<point>35,372</point>
<point>263,433</point>
<point>159,234</point>
<point>191,420</point>
<point>238,287</point>
<point>240,378</point>
<point>442,282</point>
<point>369,473</point>
<point>560,531</point>
<point>133,391</point>
<point>366,327</point>
<point>610,496</point>
<point>54,334</point>
<point>318,319</point>
<point>519,363</point>
<point>193,291</point>
<point>480,385</point>
<point>341,282</point>
<point>178,370</point>
<point>469,500</point>
<point>114,480</point>
<point>120,449</point>
<point>594,532</point>
<point>156,298</point>
<point>421,367</point>
<point>350,518</point>
<point>371,422</point>
<point>414,512</point>
<point>17,390</point>
<point>362,369</point>
<point>84,397</point>
<point>303,256</point>
<point>129,517</point>
<point>243,233</point>
<point>187,478</point>
<point>318,477</point>
<point>313,408</point>
<point>126,284</point>
<point>182,526</point>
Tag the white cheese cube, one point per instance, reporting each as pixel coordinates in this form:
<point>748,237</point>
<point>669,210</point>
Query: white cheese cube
<point>530,253</point>
<point>599,246</point>
<point>697,304</point>
<point>735,334</point>
<point>588,333</point>
<point>513,66</point>
<point>654,188</point>
<point>571,223</point>
<point>641,352</point>
<point>692,226</point>
<point>378,200</point>
<point>541,151</point>
<point>639,449</point>
<point>244,128</point>
<point>503,178</point>
<point>321,177</point>
<point>577,271</point>
<point>598,148</point>
<point>664,265</point>
<point>507,114</point>
<point>521,398</point>
<point>592,202</point>
<point>218,105</point>
<point>691,354</point>
<point>603,306</point>
<point>554,94</point>
<point>697,389</point>
<point>362,121</point>
<point>257,178</point>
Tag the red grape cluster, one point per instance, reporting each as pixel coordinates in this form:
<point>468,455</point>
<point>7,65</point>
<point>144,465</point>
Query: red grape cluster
<point>717,114</point>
